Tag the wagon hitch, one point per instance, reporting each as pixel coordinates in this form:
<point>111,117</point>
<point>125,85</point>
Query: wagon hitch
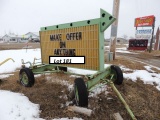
<point>122,100</point>
<point>6,61</point>
<point>31,64</point>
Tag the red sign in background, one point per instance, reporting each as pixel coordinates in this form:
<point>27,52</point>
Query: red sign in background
<point>144,21</point>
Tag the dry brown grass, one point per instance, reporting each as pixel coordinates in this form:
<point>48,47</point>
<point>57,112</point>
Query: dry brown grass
<point>8,46</point>
<point>146,54</point>
<point>127,63</point>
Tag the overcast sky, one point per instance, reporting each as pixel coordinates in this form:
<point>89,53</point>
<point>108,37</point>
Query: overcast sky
<point>22,16</point>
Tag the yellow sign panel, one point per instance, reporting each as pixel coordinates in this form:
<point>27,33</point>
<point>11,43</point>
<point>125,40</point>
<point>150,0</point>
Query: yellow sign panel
<point>75,41</point>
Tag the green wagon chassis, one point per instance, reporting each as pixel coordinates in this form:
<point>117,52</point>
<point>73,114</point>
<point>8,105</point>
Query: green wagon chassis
<point>110,76</point>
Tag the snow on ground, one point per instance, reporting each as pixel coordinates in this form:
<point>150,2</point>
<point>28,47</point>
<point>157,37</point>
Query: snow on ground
<point>81,71</point>
<point>17,55</point>
<point>18,105</point>
<point>148,76</point>
<point>124,51</point>
<point>121,50</point>
<point>5,75</point>
<point>151,66</point>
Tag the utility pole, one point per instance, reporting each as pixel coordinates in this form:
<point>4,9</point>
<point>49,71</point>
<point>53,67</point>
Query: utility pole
<point>114,27</point>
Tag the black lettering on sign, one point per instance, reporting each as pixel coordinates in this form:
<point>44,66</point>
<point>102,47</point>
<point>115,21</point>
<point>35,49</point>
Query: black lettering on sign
<point>60,53</point>
<point>74,52</point>
<point>55,52</point>
<point>74,36</point>
<point>79,36</point>
<point>65,52</point>
<point>67,36</point>
<point>56,37</point>
<point>71,52</point>
<point>62,45</point>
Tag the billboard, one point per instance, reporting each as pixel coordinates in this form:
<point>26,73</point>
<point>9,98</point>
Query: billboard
<point>75,41</point>
<point>77,44</point>
<point>144,21</point>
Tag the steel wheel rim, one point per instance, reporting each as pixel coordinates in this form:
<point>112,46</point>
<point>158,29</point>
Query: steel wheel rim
<point>24,78</point>
<point>76,96</point>
<point>113,72</point>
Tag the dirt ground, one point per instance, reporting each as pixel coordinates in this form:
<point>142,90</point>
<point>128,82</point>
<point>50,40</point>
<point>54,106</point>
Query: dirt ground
<point>8,46</point>
<point>144,100</point>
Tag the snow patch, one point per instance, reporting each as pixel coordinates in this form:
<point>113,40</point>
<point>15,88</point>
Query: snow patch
<point>18,107</point>
<point>17,55</point>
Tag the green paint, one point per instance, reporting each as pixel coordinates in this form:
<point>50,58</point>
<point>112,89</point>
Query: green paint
<point>25,78</point>
<point>123,101</point>
<point>42,68</point>
<point>74,24</point>
<point>105,21</point>
<point>101,50</point>
<point>98,77</point>
<point>76,95</point>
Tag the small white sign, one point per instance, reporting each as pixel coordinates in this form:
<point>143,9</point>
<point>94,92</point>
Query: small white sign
<point>67,59</point>
<point>144,32</point>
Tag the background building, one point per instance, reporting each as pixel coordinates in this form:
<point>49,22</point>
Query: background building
<point>12,38</point>
<point>33,36</point>
<point>1,40</point>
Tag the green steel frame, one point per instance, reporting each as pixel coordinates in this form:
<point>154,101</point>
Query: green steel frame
<point>104,75</point>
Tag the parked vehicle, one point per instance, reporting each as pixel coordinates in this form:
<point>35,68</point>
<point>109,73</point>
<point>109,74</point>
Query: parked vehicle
<point>35,40</point>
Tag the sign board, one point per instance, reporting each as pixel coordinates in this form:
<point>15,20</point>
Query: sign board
<point>143,34</point>
<point>77,44</point>
<point>144,21</point>
<point>138,44</point>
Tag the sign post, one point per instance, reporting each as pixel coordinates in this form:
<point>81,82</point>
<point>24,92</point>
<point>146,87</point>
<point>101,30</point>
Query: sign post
<point>114,27</point>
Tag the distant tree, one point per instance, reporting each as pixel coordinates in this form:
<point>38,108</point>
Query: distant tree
<point>11,33</point>
<point>131,37</point>
<point>125,36</point>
